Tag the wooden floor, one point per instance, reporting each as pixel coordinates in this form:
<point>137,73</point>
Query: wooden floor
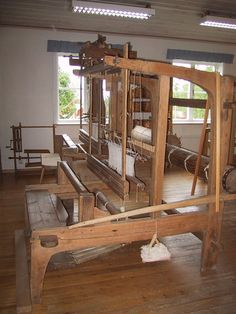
<point>119,282</point>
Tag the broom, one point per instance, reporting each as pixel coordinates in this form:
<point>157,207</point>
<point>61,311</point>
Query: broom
<point>154,253</point>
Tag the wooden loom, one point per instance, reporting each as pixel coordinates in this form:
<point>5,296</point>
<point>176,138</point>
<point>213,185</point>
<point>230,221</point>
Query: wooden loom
<point>120,115</point>
<point>45,241</point>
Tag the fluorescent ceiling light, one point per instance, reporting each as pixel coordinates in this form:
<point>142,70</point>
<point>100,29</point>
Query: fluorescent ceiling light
<point>216,21</point>
<point>108,9</point>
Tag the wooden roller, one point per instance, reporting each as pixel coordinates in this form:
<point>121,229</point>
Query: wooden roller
<point>187,159</point>
<point>229,179</point>
<point>74,180</point>
<point>103,203</point>
<point>142,134</point>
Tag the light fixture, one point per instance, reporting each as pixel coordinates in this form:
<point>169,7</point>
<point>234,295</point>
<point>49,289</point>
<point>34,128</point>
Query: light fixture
<point>108,9</point>
<point>217,21</point>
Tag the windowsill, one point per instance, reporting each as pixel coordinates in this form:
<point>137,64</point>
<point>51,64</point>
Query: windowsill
<point>70,122</point>
<point>189,122</point>
<point>86,123</point>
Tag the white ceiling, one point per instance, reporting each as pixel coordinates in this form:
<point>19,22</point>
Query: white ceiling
<point>173,19</point>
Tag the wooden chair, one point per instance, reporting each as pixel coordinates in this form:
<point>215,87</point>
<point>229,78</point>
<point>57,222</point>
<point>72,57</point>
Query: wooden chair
<point>49,162</point>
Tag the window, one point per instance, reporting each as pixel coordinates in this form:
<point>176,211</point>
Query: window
<point>187,90</point>
<point>70,93</point>
<point>73,92</point>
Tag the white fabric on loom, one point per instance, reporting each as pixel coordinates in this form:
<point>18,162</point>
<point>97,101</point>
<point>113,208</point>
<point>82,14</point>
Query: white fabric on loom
<point>115,159</point>
<point>142,134</point>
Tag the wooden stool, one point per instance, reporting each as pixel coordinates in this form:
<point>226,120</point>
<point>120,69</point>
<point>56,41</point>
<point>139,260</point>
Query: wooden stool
<point>48,161</point>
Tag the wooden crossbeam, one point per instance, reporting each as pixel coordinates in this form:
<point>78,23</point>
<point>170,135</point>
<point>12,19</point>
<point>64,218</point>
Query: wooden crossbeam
<point>209,199</point>
<point>204,79</point>
<point>191,103</point>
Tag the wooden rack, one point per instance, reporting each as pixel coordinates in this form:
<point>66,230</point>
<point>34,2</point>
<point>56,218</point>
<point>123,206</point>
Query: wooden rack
<point>30,155</point>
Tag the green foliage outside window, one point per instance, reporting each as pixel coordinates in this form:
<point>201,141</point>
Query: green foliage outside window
<point>198,93</point>
<point>67,107</point>
<point>198,113</point>
<point>180,88</point>
<point>180,112</point>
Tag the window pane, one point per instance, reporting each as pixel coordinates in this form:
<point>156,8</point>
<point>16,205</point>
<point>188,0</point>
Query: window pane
<point>198,113</point>
<point>205,67</point>
<point>180,113</point>
<point>69,102</point>
<point>180,64</point>
<point>199,93</point>
<point>68,90</point>
<point>181,88</point>
<point>106,98</point>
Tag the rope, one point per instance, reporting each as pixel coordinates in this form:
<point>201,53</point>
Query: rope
<point>168,157</point>
<point>122,209</point>
<point>133,96</point>
<point>185,162</point>
<point>105,205</point>
<point>138,156</point>
<point>225,176</point>
<point>140,98</point>
<point>118,138</point>
<point>96,195</point>
<point>205,171</point>
<point>154,237</point>
<point>133,147</point>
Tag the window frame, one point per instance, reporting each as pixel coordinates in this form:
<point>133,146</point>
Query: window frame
<point>193,64</point>
<point>57,117</point>
<point>85,94</point>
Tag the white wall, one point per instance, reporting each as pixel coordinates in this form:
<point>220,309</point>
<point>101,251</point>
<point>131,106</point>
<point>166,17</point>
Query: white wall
<point>189,135</point>
<point>28,86</point>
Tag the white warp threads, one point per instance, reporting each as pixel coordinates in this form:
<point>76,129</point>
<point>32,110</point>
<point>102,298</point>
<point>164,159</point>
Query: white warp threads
<point>115,159</point>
